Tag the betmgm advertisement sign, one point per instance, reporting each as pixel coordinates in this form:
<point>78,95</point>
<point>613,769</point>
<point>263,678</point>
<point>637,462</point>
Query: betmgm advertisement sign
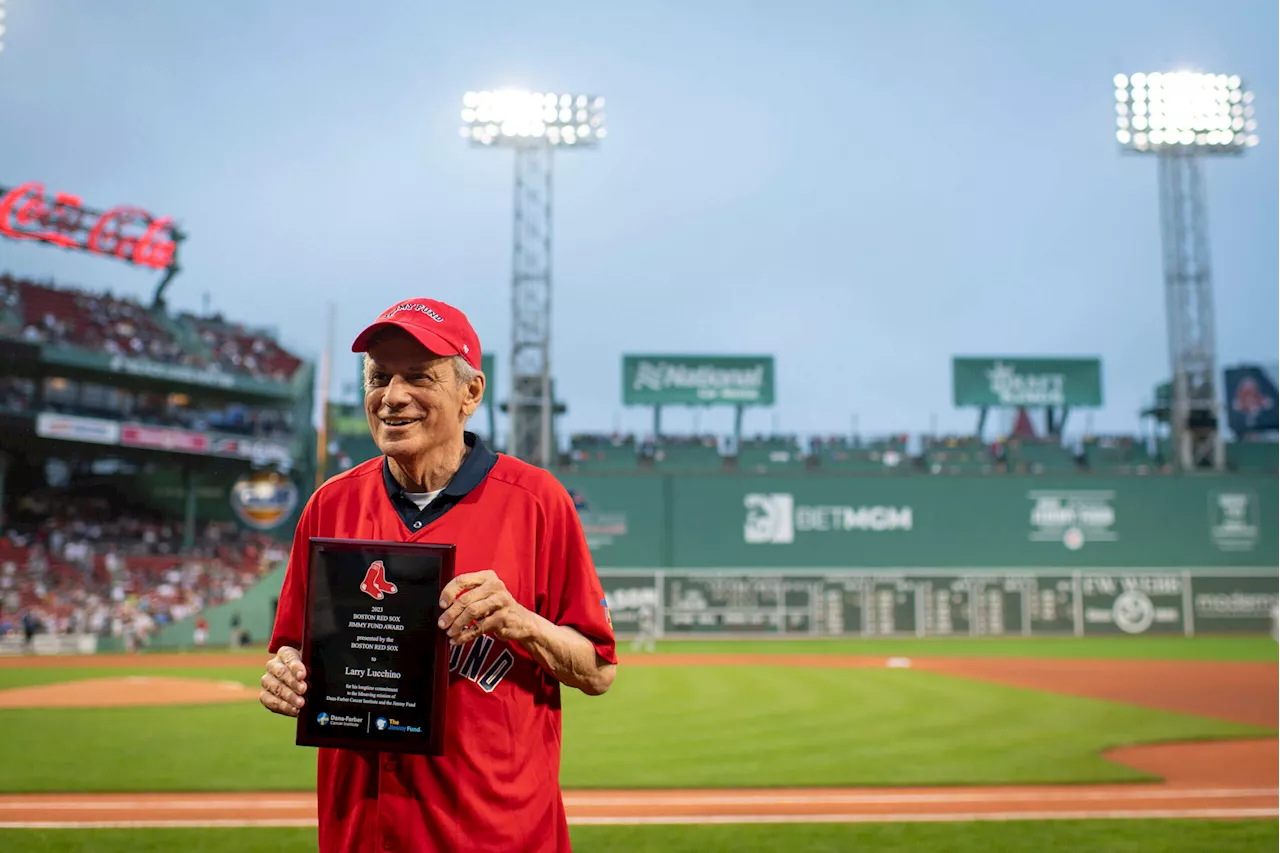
<point>690,380</point>
<point>1013,382</point>
<point>774,518</point>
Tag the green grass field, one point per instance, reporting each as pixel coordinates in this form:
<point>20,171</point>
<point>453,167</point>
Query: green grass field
<point>773,725</point>
<point>1224,648</point>
<point>1115,836</point>
<point>658,727</point>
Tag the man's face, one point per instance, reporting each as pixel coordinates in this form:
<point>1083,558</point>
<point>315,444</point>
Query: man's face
<point>414,402</point>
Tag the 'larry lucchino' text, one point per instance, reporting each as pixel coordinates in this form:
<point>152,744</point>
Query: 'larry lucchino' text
<point>373,673</point>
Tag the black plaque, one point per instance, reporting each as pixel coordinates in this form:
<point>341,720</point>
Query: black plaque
<point>376,659</point>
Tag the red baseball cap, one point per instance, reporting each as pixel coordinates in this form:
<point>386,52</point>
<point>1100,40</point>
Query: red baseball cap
<point>436,325</point>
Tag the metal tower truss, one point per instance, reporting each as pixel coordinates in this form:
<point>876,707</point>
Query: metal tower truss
<point>530,406</point>
<point>1195,433</point>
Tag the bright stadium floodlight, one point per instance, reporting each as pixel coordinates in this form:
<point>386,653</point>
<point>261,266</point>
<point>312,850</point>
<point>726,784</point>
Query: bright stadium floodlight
<point>513,117</point>
<point>1,25</point>
<point>1180,117</point>
<point>1212,113</point>
<point>534,124</point>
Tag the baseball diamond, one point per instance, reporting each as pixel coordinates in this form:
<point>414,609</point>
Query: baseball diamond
<point>1211,725</point>
<point>718,426</point>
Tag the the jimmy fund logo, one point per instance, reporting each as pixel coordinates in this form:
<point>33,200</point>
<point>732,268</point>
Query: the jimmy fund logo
<point>708,381</point>
<point>414,306</point>
<point>1012,388</point>
<point>775,518</point>
<point>1073,518</point>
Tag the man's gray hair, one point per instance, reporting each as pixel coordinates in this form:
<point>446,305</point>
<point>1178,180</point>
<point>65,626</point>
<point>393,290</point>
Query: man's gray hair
<point>462,369</point>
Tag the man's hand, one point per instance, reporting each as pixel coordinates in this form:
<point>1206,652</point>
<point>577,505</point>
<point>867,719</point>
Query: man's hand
<point>479,603</point>
<point>284,683</point>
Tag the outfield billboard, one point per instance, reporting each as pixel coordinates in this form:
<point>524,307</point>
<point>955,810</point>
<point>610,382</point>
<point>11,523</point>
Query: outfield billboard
<point>873,523</point>
<point>1251,400</point>
<point>1026,381</point>
<point>846,603</point>
<point>697,380</point>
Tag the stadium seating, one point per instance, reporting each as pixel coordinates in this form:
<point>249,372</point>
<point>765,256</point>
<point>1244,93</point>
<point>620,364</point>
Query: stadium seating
<point>1033,456</point>
<point>960,455</point>
<point>1253,456</point>
<point>599,452</point>
<point>72,317</point>
<point>838,453</point>
<point>770,454</point>
<point>82,566</point>
<point>684,454</point>
<point>240,350</point>
<point>93,321</point>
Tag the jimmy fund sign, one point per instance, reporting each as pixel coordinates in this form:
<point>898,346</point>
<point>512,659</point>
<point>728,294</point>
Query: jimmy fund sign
<point>1026,381</point>
<point>660,380</point>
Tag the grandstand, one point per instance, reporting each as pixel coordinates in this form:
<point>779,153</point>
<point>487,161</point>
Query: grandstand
<point>130,436</point>
<point>600,453</point>
<point>130,432</point>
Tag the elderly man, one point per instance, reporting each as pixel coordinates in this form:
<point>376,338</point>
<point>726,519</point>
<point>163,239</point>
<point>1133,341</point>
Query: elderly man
<point>525,612</point>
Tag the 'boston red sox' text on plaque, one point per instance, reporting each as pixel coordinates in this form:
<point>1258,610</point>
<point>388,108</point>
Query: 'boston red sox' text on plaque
<point>376,660</point>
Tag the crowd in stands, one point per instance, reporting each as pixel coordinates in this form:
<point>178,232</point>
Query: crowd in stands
<point>80,565</point>
<point>948,454</point>
<point>101,322</point>
<point>71,398</point>
<point>44,313</point>
<point>240,350</point>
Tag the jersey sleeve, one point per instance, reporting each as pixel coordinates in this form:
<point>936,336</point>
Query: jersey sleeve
<point>575,595</point>
<point>293,592</point>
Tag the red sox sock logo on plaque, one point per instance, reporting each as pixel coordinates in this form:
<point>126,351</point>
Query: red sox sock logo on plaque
<point>375,582</point>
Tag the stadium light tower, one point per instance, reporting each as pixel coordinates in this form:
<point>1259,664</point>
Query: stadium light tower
<point>534,124</point>
<point>1,25</point>
<point>1181,117</point>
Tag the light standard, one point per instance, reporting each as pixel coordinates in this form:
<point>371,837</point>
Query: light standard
<point>534,124</point>
<point>1181,117</point>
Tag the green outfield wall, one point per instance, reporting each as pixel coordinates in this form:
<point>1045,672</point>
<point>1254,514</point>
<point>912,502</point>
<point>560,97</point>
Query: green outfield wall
<point>1205,523</point>
<point>938,603</point>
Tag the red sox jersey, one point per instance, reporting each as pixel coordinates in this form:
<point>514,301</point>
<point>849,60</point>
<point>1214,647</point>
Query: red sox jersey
<point>496,787</point>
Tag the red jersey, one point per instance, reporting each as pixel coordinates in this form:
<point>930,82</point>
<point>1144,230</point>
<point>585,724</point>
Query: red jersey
<point>497,785</point>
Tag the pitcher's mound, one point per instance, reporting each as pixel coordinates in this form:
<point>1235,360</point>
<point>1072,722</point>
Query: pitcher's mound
<point>133,690</point>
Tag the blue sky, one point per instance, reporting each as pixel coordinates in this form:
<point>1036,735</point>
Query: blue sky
<point>861,189</point>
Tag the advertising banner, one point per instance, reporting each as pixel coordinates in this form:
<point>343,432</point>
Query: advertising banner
<point>163,438</point>
<point>1026,381</point>
<point>622,518</point>
<point>963,522</point>
<point>1233,604</point>
<point>695,380</point>
<point>72,428</point>
<point>1132,603</point>
<point>1251,400</point>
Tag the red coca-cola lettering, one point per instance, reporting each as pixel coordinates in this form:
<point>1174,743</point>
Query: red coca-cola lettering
<point>153,250</point>
<point>27,214</point>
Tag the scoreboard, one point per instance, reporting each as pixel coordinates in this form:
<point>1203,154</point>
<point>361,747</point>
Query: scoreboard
<point>925,603</point>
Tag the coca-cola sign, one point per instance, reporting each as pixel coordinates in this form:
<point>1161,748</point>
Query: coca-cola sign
<point>127,233</point>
